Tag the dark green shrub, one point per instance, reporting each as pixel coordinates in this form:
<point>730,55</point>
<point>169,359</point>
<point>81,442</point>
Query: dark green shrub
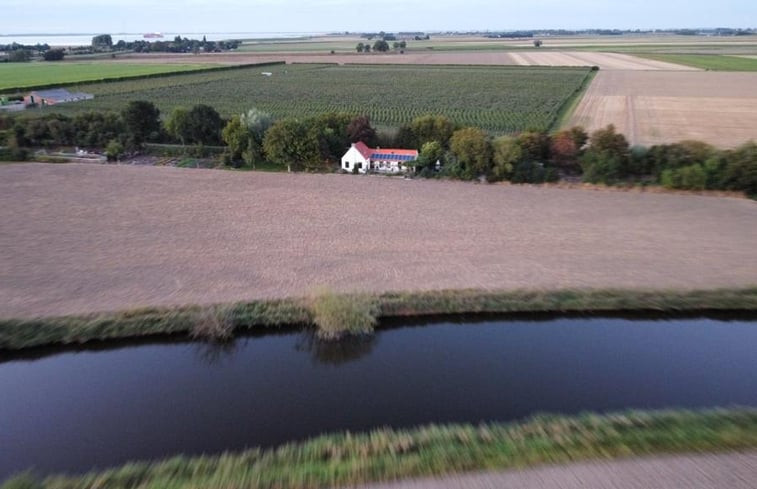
<point>608,158</point>
<point>741,169</point>
<point>114,150</point>
<point>528,171</point>
<point>603,168</point>
<point>692,177</point>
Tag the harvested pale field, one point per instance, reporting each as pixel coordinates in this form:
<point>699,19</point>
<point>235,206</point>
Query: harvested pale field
<point>606,61</point>
<point>663,107</point>
<point>80,238</point>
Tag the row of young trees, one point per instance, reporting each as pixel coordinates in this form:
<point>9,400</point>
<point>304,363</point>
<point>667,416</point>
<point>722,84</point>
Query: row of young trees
<point>139,122</point>
<point>445,149</point>
<point>381,46</point>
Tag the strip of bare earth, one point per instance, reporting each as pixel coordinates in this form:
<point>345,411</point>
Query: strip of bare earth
<point>20,333</point>
<point>386,454</point>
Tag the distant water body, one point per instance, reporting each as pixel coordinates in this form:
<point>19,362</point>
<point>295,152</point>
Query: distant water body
<point>86,39</point>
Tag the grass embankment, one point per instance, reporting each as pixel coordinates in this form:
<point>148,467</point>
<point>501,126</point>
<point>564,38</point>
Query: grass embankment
<point>566,111</point>
<point>713,62</point>
<point>386,454</point>
<point>16,334</point>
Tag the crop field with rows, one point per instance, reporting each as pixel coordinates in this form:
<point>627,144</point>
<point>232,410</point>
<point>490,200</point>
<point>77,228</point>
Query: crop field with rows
<point>501,99</point>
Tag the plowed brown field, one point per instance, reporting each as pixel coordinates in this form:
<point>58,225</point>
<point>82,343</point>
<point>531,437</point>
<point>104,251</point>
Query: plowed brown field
<point>79,238</point>
<point>663,107</point>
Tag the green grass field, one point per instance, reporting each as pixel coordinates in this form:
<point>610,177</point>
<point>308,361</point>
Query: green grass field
<point>41,73</point>
<point>498,98</point>
<point>712,62</point>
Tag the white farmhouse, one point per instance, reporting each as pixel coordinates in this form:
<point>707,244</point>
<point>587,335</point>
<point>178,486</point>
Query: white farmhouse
<point>365,159</point>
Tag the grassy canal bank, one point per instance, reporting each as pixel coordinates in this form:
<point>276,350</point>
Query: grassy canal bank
<point>386,454</point>
<point>337,314</point>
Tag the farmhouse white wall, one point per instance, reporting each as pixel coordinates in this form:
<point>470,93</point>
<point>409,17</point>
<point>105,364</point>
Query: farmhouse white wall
<point>351,158</point>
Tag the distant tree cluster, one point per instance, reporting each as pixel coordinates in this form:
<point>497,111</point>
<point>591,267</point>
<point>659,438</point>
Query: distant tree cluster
<point>54,54</point>
<point>510,35</point>
<point>16,52</point>
<point>178,45</point>
<point>380,46</point>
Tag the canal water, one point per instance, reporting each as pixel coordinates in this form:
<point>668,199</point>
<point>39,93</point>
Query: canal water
<point>71,411</point>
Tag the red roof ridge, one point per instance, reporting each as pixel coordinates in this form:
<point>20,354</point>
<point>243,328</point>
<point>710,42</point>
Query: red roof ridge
<point>368,152</point>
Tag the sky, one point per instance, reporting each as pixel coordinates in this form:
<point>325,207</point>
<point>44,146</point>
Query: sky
<point>135,16</point>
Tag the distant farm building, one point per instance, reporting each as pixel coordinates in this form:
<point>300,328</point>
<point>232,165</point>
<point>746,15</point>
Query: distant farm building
<point>55,96</point>
<point>363,159</point>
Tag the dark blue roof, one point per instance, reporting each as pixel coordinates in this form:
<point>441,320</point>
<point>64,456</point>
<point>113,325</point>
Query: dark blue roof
<point>392,157</point>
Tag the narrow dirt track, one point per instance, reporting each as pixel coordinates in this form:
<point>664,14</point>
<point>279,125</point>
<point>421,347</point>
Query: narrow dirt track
<point>726,471</point>
<point>78,237</point>
<point>606,61</point>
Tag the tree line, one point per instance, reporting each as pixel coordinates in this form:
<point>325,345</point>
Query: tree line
<point>445,149</point>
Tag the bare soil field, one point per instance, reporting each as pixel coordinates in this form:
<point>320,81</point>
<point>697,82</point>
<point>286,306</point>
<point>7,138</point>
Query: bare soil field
<point>606,61</point>
<point>663,107</point>
<point>78,238</point>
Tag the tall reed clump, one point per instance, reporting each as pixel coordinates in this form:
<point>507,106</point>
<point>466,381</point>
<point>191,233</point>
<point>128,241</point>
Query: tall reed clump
<point>213,323</point>
<point>339,315</point>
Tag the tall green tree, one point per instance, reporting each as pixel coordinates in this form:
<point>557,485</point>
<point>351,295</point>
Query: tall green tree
<point>293,144</point>
<point>177,125</point>
<point>54,55</point>
<point>506,154</point>
<point>237,138</point>
<point>257,122</point>
<point>431,153</point>
<point>204,125</point>
<point>607,160</point>
<point>102,42</point>
<point>472,149</point>
<point>330,130</point>
<point>424,129</point>
<point>360,129</point>
<point>381,46</point>
<point>142,121</point>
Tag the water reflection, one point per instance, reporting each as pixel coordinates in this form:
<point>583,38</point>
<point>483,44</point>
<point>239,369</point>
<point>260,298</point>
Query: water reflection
<point>214,353</point>
<point>336,352</point>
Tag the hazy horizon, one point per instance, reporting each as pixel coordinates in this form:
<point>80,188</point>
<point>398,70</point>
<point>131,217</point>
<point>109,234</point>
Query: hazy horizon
<point>321,16</point>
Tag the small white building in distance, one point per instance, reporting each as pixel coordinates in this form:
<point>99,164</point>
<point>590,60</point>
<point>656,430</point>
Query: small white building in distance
<point>366,159</point>
<point>55,96</point>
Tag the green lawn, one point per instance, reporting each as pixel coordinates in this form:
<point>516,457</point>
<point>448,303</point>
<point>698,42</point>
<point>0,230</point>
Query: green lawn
<point>41,73</point>
<point>714,62</point>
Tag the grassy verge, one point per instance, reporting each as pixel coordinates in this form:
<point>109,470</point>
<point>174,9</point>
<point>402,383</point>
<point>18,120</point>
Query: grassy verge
<point>20,333</point>
<point>714,62</point>
<point>566,110</point>
<point>386,454</point>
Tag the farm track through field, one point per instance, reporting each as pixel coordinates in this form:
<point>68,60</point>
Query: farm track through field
<point>80,238</point>
<point>606,61</point>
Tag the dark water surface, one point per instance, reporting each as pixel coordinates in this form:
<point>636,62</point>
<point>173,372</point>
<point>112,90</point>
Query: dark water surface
<point>74,411</point>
